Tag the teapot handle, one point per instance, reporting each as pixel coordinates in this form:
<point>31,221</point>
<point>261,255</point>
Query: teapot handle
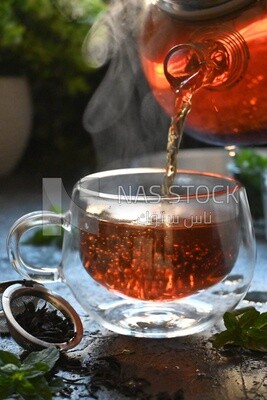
<point>24,224</point>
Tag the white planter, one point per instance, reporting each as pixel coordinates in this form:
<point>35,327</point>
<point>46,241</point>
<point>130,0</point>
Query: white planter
<point>15,121</point>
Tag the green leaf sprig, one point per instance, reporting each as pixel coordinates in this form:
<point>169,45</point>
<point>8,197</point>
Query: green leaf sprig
<point>29,378</point>
<point>249,160</point>
<point>246,328</point>
<point>48,235</point>
<point>249,166</point>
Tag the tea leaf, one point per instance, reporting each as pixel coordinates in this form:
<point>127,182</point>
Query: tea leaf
<point>45,324</point>
<point>246,328</point>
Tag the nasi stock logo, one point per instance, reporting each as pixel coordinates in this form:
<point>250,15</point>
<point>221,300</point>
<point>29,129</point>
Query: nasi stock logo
<point>54,195</point>
<point>201,194</point>
<point>56,199</point>
<point>163,218</point>
<point>53,199</point>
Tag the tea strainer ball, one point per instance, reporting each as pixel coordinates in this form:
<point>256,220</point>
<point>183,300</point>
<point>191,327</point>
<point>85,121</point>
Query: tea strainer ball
<point>38,318</point>
<point>18,307</point>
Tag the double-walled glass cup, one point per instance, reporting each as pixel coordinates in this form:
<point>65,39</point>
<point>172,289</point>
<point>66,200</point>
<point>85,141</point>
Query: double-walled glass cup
<point>148,265</point>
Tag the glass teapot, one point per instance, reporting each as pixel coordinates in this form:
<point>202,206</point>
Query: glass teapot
<point>228,108</point>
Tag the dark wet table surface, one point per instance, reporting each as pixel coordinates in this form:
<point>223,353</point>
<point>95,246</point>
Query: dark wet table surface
<point>108,366</point>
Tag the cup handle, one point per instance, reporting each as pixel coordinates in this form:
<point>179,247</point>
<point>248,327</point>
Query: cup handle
<point>22,225</point>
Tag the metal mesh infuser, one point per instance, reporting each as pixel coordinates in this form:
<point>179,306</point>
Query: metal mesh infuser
<point>18,306</point>
<point>36,317</point>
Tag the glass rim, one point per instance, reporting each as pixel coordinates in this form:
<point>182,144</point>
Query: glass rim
<point>235,184</point>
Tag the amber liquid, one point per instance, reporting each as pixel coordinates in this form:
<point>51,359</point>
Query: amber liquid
<point>175,135</point>
<point>186,73</point>
<point>160,263</point>
<point>232,116</point>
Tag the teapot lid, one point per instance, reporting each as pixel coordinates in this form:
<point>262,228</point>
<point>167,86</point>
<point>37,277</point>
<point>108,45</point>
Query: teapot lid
<point>201,9</point>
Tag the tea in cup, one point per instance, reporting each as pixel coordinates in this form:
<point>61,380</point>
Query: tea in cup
<point>148,265</point>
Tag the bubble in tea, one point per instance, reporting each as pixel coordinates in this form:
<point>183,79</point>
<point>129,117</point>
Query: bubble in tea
<point>160,262</point>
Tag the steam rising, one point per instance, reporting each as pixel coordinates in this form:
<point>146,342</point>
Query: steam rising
<point>122,116</point>
<point>112,30</point>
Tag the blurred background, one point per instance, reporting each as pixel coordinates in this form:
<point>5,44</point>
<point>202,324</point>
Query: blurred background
<point>41,52</point>
<point>47,84</point>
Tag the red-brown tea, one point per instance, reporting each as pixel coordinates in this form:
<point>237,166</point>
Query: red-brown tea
<point>158,262</point>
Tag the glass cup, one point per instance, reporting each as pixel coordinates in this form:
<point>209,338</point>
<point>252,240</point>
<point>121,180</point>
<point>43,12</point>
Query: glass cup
<point>147,265</point>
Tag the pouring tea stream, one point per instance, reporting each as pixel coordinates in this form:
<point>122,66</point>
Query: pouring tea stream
<point>188,68</point>
<point>229,108</point>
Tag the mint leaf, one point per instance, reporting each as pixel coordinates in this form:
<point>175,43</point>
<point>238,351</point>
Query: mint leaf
<point>29,378</point>
<point>246,328</point>
<point>248,168</point>
<point>248,318</point>
<point>6,388</point>
<point>8,358</point>
<point>261,322</point>
<point>48,356</point>
<point>248,160</point>
<point>45,389</point>
<point>230,321</point>
<point>25,387</point>
<point>46,236</point>
<point>9,369</point>
<point>38,369</point>
<point>223,338</point>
